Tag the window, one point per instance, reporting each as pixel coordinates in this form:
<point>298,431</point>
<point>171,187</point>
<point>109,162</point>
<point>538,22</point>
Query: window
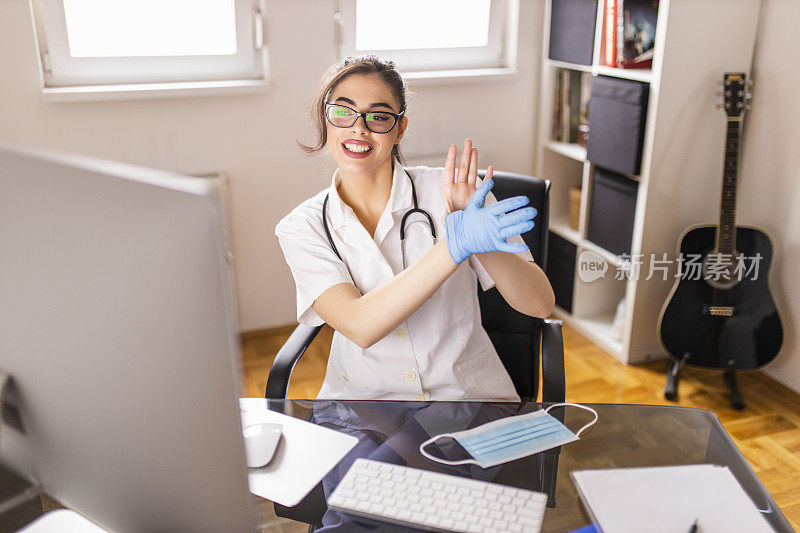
<point>108,42</point>
<point>423,35</point>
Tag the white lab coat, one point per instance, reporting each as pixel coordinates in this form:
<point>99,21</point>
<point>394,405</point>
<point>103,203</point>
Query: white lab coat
<point>440,352</point>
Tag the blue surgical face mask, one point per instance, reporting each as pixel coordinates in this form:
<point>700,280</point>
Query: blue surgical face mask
<point>511,438</point>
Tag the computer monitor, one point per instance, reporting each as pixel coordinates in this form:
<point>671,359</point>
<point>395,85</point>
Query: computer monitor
<point>116,327</point>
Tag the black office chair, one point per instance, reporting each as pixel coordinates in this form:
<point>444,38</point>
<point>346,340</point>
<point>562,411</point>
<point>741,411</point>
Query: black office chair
<point>515,336</point>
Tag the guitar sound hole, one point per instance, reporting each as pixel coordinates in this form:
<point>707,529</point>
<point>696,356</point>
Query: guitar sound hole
<point>719,270</point>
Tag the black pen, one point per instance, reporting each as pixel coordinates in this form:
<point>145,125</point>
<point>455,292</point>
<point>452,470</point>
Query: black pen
<point>693,528</point>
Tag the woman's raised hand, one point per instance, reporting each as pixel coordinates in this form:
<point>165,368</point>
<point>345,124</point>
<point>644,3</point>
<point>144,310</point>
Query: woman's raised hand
<point>479,229</point>
<point>456,194</point>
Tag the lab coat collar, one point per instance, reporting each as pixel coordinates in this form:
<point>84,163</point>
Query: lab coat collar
<point>336,207</point>
<point>399,197</point>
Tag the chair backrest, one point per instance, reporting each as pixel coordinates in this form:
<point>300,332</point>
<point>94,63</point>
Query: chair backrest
<point>514,335</point>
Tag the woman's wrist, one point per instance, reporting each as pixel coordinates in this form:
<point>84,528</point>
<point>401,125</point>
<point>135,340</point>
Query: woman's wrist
<point>457,253</point>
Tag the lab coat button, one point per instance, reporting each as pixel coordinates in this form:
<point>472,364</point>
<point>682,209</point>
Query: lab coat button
<point>410,375</point>
<point>400,333</point>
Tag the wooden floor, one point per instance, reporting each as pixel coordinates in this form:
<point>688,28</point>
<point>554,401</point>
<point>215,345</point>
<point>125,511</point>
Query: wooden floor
<point>767,431</point>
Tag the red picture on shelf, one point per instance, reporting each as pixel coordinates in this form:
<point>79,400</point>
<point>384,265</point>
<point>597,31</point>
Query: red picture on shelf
<point>636,33</point>
<point>627,34</point>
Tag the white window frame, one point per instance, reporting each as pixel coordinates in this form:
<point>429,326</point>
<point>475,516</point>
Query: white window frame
<point>59,70</point>
<point>495,54</point>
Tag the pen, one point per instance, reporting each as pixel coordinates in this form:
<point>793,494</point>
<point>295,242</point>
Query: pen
<point>693,527</point>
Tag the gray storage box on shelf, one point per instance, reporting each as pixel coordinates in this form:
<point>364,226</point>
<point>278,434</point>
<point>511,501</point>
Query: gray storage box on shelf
<point>560,269</point>
<point>572,24</point>
<point>617,111</point>
<point>611,212</point>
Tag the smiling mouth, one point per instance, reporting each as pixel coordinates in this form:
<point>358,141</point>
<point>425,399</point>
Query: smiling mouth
<point>356,148</point>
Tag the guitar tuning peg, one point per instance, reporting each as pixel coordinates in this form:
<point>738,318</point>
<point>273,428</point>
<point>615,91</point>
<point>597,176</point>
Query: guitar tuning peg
<point>750,84</point>
<point>748,95</point>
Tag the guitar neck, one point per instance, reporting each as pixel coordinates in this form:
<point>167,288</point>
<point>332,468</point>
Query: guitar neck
<point>726,236</point>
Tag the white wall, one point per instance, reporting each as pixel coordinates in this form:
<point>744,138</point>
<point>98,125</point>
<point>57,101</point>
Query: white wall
<point>769,190</point>
<point>252,137</point>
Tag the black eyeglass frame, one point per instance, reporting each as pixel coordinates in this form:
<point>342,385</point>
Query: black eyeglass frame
<point>395,115</point>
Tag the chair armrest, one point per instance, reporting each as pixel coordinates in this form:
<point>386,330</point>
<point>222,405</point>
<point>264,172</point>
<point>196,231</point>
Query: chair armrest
<point>281,370</point>
<point>553,382</point>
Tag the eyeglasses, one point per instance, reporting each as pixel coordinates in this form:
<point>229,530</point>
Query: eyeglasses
<point>342,116</point>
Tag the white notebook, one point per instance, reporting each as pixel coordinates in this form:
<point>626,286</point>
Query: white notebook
<point>668,499</point>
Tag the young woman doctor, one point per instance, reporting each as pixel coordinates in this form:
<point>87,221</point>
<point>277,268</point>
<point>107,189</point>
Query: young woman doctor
<point>404,310</point>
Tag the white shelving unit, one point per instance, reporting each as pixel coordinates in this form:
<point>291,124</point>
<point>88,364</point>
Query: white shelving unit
<point>571,150</point>
<point>682,156</point>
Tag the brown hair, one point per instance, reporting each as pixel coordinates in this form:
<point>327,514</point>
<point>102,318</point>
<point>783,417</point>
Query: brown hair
<point>362,64</point>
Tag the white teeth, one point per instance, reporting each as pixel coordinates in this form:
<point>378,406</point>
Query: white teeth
<point>360,148</point>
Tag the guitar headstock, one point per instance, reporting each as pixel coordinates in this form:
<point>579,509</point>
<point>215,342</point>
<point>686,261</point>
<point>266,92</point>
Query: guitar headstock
<point>736,93</point>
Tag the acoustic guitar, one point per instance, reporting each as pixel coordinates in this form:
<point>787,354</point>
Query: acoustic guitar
<point>720,314</point>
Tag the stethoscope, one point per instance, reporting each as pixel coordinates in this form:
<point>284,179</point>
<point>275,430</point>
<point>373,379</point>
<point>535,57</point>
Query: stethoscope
<point>415,209</point>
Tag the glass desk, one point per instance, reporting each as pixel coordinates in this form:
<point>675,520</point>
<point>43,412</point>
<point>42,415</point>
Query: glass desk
<point>624,436</point>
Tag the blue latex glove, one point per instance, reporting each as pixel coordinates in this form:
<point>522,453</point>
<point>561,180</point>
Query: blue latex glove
<point>479,229</point>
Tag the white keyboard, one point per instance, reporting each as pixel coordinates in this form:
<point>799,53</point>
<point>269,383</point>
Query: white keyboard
<point>439,502</point>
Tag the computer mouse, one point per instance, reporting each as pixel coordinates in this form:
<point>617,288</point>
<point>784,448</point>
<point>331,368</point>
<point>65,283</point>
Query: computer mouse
<point>260,442</point>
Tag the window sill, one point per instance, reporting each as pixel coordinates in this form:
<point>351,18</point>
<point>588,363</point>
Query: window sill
<point>147,91</point>
<point>434,77</point>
